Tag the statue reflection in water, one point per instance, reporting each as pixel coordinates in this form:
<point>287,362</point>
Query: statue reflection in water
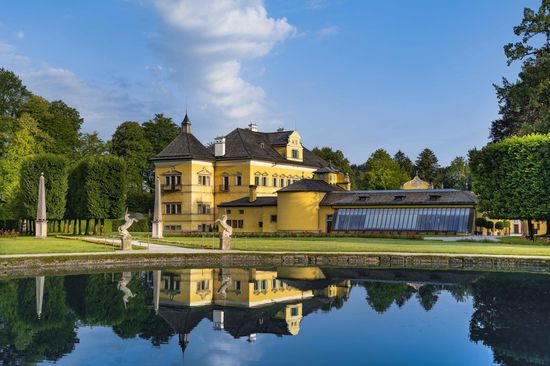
<point>123,286</point>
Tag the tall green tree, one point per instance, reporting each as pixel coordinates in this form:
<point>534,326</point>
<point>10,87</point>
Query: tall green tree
<point>97,189</point>
<point>91,144</point>
<point>24,140</point>
<point>55,169</point>
<point>427,166</point>
<point>59,121</point>
<point>382,172</point>
<point>457,175</point>
<point>406,164</point>
<point>160,131</point>
<point>130,143</point>
<point>12,93</point>
<point>337,159</point>
<point>525,103</point>
<point>512,178</point>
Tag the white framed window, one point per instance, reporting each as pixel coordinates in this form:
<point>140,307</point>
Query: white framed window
<point>238,180</point>
<point>204,180</point>
<point>264,181</point>
<point>257,180</point>
<point>274,182</point>
<point>203,285</point>
<point>172,208</point>
<point>203,208</point>
<point>282,182</point>
<point>238,285</point>
<point>295,154</point>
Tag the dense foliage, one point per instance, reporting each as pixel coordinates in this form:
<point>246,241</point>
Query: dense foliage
<point>512,178</point>
<point>525,103</point>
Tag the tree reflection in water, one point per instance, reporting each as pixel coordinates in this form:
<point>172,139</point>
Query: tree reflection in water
<point>512,316</point>
<point>511,312</point>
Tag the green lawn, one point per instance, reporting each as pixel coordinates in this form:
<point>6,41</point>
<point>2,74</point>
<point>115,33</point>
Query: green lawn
<point>519,247</point>
<point>30,245</point>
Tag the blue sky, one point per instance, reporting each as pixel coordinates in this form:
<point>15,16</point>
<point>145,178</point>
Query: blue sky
<point>353,75</point>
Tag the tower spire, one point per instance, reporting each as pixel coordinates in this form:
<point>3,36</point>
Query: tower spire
<point>186,123</point>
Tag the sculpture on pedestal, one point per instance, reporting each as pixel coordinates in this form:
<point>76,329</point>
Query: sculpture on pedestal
<point>225,236</point>
<point>124,233</point>
<point>41,223</point>
<point>123,286</point>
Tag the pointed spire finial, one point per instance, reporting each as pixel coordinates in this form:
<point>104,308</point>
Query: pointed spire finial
<point>186,124</point>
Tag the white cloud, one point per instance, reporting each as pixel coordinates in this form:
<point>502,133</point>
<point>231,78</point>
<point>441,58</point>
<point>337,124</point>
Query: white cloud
<point>101,108</point>
<point>206,43</point>
<point>19,35</point>
<point>328,31</point>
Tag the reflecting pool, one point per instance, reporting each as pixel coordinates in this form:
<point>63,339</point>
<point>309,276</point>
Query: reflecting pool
<point>276,316</point>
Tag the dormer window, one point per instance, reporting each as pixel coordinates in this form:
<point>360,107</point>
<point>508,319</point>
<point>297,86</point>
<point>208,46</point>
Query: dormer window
<point>262,145</point>
<point>434,197</point>
<point>363,198</point>
<point>295,154</point>
<point>399,198</point>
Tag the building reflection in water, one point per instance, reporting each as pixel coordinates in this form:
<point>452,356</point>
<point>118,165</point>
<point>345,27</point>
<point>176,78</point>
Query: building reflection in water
<point>39,317</point>
<point>243,302</point>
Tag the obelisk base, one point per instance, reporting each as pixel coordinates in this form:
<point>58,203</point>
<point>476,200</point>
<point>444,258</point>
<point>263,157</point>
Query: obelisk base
<point>41,229</point>
<point>157,230</point>
<point>225,243</point>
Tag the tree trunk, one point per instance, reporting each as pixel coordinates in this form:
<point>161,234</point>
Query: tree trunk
<point>102,227</point>
<point>87,227</point>
<point>79,227</point>
<point>530,233</point>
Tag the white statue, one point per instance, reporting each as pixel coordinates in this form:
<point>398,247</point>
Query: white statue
<point>123,229</point>
<point>227,230</point>
<point>122,286</point>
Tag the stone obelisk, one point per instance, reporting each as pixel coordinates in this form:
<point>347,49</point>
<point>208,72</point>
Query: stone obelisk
<point>41,224</point>
<point>39,282</point>
<point>157,214</point>
<point>156,290</point>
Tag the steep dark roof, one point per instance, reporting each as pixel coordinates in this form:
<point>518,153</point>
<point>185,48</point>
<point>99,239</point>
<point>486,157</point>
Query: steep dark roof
<point>310,185</point>
<point>404,197</point>
<point>185,146</point>
<point>244,202</point>
<point>247,144</point>
<point>327,169</point>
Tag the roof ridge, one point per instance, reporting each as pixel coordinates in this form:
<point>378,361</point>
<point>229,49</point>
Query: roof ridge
<point>242,141</point>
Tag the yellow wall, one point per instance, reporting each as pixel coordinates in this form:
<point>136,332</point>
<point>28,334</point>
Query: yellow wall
<point>190,194</point>
<point>251,217</point>
<point>299,211</point>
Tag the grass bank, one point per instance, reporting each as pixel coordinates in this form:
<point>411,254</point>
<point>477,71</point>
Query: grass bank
<point>30,245</point>
<point>331,245</point>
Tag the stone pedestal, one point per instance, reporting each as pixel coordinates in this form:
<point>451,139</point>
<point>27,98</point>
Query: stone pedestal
<point>126,243</point>
<point>157,230</point>
<point>41,229</point>
<point>225,243</point>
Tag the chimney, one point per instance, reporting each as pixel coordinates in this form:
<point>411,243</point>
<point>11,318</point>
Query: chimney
<point>219,146</point>
<point>252,197</point>
<point>186,124</point>
<point>281,129</point>
<point>253,127</point>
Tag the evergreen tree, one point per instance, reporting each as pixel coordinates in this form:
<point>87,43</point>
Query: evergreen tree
<point>405,163</point>
<point>427,166</point>
<point>457,175</point>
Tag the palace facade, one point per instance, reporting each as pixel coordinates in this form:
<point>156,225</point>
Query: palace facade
<point>269,182</point>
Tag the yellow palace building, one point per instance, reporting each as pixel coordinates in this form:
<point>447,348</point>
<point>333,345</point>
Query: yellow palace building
<point>269,182</point>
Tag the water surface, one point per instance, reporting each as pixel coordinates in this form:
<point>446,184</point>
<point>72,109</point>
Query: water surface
<point>274,316</point>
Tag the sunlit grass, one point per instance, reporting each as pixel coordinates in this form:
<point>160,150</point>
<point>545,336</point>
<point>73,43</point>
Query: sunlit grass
<point>30,245</point>
<point>360,245</point>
